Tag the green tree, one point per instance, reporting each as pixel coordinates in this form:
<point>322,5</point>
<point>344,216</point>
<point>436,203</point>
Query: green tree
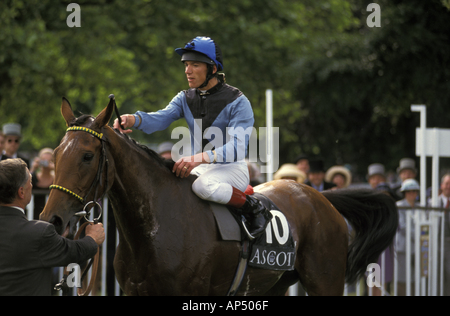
<point>41,60</point>
<point>357,93</point>
<point>342,90</point>
<point>127,48</point>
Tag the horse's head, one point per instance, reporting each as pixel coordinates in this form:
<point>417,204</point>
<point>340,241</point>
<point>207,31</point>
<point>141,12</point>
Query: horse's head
<point>83,172</point>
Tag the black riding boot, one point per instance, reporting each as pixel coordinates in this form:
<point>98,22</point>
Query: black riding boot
<point>257,214</point>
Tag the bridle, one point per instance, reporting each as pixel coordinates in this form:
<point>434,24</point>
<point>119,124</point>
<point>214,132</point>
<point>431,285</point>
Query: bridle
<point>103,162</point>
<point>97,181</point>
<point>85,212</point>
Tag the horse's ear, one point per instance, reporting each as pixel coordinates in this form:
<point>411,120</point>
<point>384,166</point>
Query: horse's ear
<point>66,111</point>
<point>104,116</point>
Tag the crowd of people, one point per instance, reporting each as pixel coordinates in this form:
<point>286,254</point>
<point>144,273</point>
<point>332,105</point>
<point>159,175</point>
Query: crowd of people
<point>41,167</point>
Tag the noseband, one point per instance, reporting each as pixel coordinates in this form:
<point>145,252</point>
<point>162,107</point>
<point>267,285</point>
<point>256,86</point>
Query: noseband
<point>97,181</point>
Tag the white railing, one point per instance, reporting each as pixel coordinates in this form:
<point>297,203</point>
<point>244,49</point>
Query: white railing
<point>424,229</point>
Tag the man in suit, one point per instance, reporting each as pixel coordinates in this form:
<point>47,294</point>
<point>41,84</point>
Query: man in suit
<point>406,170</point>
<point>30,249</point>
<point>316,176</point>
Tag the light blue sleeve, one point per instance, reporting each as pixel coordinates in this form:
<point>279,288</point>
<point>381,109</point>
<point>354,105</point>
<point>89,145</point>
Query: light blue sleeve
<point>157,121</point>
<point>237,133</point>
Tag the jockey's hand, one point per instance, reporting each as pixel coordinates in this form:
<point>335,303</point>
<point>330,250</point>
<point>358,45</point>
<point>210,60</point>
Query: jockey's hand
<point>128,121</point>
<point>183,167</point>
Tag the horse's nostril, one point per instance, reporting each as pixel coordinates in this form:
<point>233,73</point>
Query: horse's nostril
<point>58,223</point>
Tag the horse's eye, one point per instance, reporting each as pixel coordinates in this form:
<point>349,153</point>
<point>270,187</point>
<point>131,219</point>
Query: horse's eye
<point>88,157</point>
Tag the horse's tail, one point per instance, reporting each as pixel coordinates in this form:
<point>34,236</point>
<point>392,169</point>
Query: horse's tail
<point>374,218</point>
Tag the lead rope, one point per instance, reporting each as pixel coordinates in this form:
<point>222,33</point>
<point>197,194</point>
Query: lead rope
<point>62,285</point>
<point>93,263</point>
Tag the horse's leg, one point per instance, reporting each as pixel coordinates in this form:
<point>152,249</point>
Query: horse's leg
<point>323,246</point>
<point>322,260</point>
<point>281,287</point>
<point>320,277</point>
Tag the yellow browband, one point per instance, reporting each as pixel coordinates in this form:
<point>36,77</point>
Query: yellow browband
<point>84,129</point>
<point>67,191</point>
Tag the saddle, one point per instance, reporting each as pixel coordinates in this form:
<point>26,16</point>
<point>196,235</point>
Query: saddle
<point>272,250</point>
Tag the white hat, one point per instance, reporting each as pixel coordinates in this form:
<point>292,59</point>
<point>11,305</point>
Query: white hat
<point>410,185</point>
<point>339,170</point>
<point>290,170</point>
<point>12,129</point>
<point>407,163</point>
<point>375,168</point>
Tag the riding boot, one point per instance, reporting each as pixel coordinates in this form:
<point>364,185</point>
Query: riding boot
<point>252,209</point>
<point>259,216</point>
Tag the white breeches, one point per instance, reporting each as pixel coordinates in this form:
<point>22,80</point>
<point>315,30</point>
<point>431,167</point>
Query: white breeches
<point>215,181</point>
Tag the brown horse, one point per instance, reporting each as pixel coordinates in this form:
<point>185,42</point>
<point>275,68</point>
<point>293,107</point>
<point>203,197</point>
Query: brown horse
<point>169,243</point>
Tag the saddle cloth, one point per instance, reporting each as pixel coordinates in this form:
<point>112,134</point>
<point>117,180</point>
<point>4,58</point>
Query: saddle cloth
<point>274,249</point>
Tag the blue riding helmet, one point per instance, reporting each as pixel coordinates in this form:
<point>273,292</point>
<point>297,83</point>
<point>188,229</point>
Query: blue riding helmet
<point>202,49</point>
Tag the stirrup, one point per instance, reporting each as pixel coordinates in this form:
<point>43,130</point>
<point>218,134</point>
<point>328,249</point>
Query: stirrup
<point>250,236</point>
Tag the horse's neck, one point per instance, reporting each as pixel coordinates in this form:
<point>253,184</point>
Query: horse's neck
<point>135,190</point>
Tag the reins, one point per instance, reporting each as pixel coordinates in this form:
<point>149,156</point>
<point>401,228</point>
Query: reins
<point>94,263</point>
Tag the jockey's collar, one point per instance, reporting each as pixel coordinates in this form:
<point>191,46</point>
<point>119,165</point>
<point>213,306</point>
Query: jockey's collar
<point>212,90</point>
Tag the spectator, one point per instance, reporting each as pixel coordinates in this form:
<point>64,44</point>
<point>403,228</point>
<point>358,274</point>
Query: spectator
<point>340,176</point>
<point>13,136</point>
<point>410,189</point>
<point>376,177</point>
<point>444,201</point>
<point>302,163</point>
<point>42,172</point>
<point>2,143</point>
<point>254,173</point>
<point>290,171</point>
<point>29,249</point>
<point>406,170</point>
<point>377,180</point>
<point>316,176</point>
<point>165,150</point>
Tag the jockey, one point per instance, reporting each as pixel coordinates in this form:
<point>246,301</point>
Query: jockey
<point>218,159</point>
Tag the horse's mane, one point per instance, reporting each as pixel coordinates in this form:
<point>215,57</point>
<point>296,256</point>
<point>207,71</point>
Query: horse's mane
<point>168,163</point>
